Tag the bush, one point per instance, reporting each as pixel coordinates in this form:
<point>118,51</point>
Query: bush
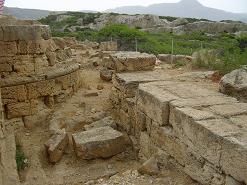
<point>20,158</point>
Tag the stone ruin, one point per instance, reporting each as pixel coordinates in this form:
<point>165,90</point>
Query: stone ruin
<point>36,71</point>
<point>198,131</point>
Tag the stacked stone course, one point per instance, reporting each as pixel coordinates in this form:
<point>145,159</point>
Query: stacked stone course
<point>199,131</point>
<point>36,71</point>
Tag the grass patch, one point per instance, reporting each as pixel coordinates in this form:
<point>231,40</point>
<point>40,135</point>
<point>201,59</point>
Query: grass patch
<point>20,158</point>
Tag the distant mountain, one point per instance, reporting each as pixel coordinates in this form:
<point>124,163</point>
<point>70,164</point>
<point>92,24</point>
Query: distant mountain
<point>184,8</point>
<point>21,13</point>
<point>33,14</point>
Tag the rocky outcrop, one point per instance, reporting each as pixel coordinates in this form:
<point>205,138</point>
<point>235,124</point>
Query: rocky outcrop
<point>133,21</point>
<point>235,84</point>
<point>210,27</point>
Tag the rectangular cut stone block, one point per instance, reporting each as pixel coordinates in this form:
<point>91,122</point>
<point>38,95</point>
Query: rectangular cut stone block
<point>5,67</point>
<point>154,102</point>
<point>101,142</point>
<point>42,88</point>
<point>230,110</point>
<point>8,48</point>
<point>26,108</point>
<point>204,102</point>
<point>232,146</point>
<point>25,32</point>
<point>133,61</point>
<point>14,93</point>
<point>56,146</point>
<point>129,82</point>
<point>32,47</point>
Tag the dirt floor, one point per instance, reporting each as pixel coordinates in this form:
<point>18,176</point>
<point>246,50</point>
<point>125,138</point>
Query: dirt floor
<point>89,104</point>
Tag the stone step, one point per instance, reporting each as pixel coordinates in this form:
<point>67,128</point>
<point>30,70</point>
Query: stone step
<point>103,142</point>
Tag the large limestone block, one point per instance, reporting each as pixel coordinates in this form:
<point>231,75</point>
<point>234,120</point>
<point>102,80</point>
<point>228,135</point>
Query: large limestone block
<point>8,48</point>
<point>133,61</point>
<point>230,109</point>
<point>56,146</point>
<point>204,102</point>
<point>26,108</point>
<point>129,82</point>
<point>235,84</point>
<point>25,32</point>
<point>101,142</point>
<point>14,93</point>
<point>154,102</point>
<point>42,88</point>
<point>232,143</point>
<point>32,47</point>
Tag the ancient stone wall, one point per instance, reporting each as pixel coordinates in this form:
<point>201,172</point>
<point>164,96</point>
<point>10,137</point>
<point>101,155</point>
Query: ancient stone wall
<point>37,71</point>
<point>201,132</point>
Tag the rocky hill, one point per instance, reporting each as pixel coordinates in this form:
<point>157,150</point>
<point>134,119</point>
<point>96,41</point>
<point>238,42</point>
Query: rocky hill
<point>21,13</point>
<point>74,21</point>
<point>185,8</point>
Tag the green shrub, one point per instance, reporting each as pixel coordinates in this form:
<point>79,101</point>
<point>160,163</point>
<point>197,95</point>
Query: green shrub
<point>20,158</point>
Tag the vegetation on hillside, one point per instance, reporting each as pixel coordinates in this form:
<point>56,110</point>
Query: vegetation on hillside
<point>223,52</point>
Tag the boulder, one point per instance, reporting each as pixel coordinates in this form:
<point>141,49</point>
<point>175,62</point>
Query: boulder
<point>103,142</point>
<point>235,84</point>
<point>56,146</point>
<point>108,121</point>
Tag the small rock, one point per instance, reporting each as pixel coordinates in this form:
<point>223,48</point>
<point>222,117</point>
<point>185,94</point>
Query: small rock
<point>100,87</point>
<point>150,167</point>
<point>106,74</point>
<point>56,146</point>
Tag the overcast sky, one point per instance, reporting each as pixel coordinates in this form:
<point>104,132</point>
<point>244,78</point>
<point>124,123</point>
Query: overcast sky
<point>99,5</point>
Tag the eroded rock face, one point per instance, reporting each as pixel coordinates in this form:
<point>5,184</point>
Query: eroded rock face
<point>103,142</point>
<point>235,84</point>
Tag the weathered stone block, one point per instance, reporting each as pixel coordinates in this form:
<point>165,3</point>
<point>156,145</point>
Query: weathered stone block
<point>15,93</point>
<point>101,142</point>
<point>8,48</point>
<point>56,146</point>
<point>133,61</point>
<point>26,108</point>
<point>38,89</point>
<point>154,102</point>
